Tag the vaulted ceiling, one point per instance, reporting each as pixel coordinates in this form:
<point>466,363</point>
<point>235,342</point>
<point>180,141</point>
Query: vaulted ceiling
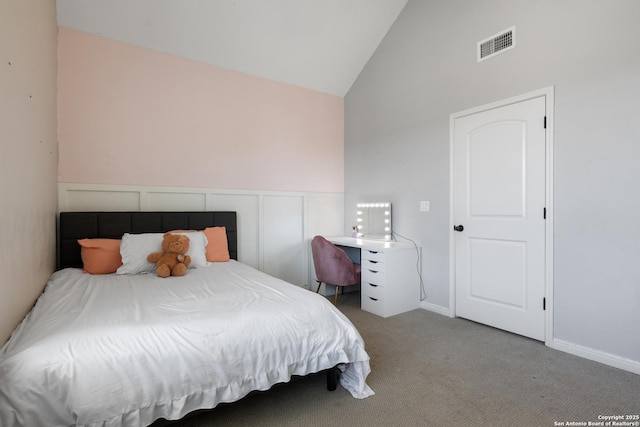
<point>317,44</point>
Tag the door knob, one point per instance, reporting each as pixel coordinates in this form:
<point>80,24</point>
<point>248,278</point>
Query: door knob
<point>458,227</point>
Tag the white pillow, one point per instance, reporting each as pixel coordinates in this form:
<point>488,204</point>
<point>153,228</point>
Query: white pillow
<point>135,248</point>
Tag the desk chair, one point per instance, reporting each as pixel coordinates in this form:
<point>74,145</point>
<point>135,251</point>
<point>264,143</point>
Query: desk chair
<point>333,266</point>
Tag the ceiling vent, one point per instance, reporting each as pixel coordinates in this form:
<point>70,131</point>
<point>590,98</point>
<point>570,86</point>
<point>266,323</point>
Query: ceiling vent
<point>497,43</point>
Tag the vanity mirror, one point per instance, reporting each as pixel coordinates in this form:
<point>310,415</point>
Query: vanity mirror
<point>374,220</point>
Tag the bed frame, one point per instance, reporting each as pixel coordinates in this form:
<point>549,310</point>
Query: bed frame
<point>112,225</point>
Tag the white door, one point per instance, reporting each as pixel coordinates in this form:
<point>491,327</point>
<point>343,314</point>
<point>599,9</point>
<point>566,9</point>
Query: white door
<point>499,208</point>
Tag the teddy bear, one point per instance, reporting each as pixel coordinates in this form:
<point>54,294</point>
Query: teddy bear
<point>173,260</point>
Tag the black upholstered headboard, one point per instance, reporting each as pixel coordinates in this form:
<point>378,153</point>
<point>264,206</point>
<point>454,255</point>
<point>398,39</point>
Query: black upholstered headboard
<point>112,225</point>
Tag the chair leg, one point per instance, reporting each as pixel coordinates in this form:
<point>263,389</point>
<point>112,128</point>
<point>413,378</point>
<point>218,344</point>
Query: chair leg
<point>319,284</point>
<point>335,298</point>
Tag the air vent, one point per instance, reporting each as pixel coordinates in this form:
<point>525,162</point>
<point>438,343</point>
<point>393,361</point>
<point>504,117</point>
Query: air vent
<point>497,43</point>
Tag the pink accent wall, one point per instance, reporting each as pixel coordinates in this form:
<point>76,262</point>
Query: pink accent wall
<point>134,116</point>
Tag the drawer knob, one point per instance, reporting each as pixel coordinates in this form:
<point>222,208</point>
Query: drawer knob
<point>373,271</point>
<point>374,299</point>
<point>371,284</point>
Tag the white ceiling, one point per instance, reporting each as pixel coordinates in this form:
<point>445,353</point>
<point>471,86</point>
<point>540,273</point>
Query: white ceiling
<point>317,44</point>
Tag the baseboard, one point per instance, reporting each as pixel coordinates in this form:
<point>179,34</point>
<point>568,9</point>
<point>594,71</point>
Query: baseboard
<point>596,355</point>
<point>436,308</point>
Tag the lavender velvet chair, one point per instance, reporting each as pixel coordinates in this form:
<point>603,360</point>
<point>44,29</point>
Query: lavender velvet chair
<point>333,266</point>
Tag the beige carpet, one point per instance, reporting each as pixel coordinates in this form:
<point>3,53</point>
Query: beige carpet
<point>430,370</point>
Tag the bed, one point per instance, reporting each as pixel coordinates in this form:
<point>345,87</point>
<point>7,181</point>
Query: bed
<point>127,348</point>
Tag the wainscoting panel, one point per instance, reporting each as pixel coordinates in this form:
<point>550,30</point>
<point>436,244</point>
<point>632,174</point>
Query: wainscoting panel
<point>284,247</point>
<point>97,200</point>
<point>324,215</point>
<point>274,228</point>
<point>174,201</point>
<point>247,208</point>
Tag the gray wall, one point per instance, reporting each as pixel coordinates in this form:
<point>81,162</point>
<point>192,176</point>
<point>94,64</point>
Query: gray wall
<point>29,156</point>
<point>397,142</point>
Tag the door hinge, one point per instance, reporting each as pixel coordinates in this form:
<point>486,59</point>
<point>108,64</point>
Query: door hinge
<point>544,213</point>
<point>545,122</point>
<point>544,303</point>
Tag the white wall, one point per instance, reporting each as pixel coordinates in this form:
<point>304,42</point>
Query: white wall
<point>274,227</point>
<point>397,144</point>
<point>29,155</point>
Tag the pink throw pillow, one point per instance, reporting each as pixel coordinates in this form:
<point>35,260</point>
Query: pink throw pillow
<point>218,247</point>
<point>100,256</point>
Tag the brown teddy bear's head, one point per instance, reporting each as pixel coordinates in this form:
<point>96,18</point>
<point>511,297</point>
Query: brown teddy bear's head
<point>175,243</point>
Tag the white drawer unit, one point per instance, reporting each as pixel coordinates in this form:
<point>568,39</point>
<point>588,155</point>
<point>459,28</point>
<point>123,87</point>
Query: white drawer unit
<point>390,282</point>
<point>373,256</point>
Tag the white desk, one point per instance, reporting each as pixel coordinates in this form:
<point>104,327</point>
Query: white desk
<point>390,282</point>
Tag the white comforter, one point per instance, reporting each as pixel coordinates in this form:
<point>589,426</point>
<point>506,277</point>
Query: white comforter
<point>114,350</point>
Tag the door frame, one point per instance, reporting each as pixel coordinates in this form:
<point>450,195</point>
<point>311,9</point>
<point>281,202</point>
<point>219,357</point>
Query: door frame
<point>548,93</point>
